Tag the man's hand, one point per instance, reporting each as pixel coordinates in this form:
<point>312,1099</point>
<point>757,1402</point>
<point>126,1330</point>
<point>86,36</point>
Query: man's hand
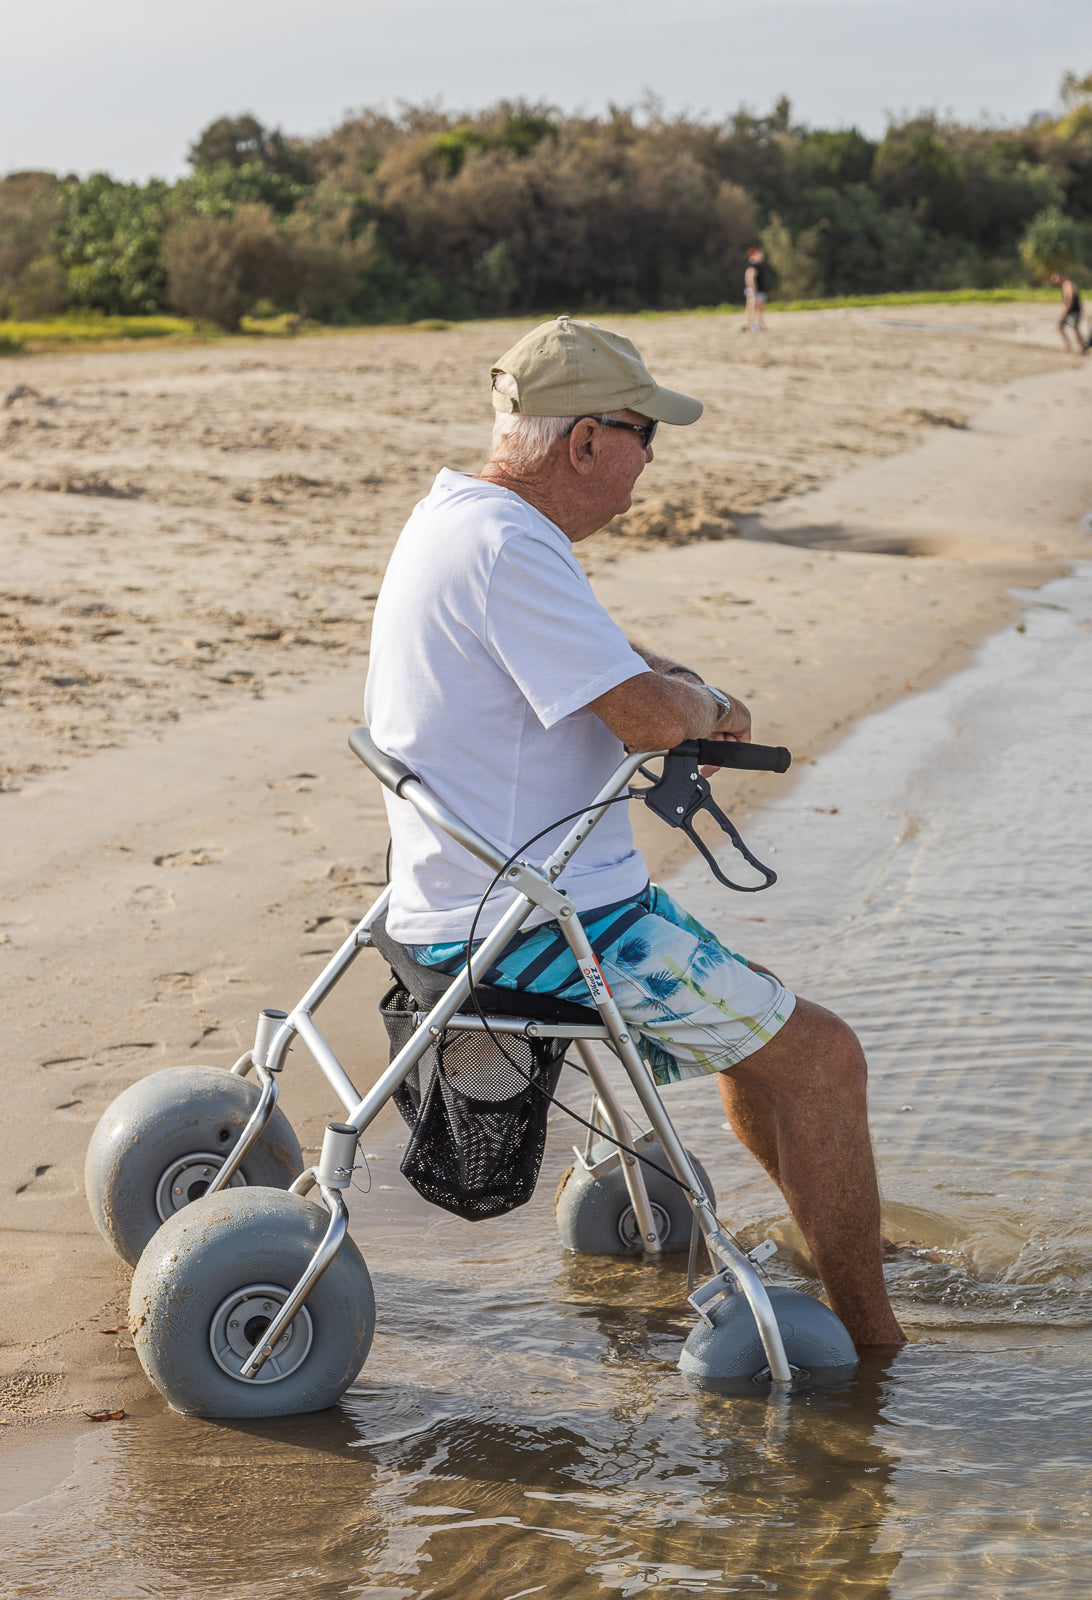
<point>736,727</point>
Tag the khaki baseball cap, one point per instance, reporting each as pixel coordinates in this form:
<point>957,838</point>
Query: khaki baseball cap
<point>570,369</point>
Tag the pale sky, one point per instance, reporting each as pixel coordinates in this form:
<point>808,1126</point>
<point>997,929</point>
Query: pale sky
<point>126,87</point>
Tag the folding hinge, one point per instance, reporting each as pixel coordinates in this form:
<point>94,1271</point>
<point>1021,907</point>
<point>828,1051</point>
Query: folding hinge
<point>529,880</point>
<point>599,1169</point>
<point>724,1283</point>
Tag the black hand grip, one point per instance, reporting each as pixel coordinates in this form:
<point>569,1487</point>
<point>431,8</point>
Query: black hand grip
<point>730,753</point>
<point>386,768</point>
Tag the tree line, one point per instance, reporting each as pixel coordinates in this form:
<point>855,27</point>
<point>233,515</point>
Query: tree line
<point>520,209</point>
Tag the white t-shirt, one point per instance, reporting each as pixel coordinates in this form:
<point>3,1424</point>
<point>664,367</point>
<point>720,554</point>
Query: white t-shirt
<point>487,643</point>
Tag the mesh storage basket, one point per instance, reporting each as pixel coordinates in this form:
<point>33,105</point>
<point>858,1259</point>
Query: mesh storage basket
<point>477,1122</point>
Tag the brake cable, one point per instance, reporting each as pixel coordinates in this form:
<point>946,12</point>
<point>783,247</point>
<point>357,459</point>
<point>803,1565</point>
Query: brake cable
<point>676,797</point>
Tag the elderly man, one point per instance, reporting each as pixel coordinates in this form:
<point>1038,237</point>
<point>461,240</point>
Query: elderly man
<point>498,677</point>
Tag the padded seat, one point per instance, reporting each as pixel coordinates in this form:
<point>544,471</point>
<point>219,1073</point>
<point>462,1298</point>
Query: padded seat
<point>428,987</point>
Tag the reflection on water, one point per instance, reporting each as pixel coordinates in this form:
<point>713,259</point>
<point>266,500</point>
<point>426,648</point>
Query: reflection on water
<point>520,1428</point>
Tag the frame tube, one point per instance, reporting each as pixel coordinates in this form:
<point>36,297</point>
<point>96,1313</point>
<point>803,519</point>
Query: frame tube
<point>327,1250</point>
<point>632,1170</point>
<point>251,1133</point>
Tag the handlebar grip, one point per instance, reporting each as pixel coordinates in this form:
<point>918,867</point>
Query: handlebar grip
<point>387,769</point>
<point>743,757</point>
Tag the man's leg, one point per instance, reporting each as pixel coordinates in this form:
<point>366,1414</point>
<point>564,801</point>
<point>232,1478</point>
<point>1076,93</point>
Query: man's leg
<point>798,1102</point>
<point>799,1105</point>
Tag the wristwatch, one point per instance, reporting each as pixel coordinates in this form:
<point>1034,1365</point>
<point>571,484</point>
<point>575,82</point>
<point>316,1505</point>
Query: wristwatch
<point>724,705</point>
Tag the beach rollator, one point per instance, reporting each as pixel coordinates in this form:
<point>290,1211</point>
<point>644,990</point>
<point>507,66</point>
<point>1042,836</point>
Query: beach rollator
<point>250,1297</point>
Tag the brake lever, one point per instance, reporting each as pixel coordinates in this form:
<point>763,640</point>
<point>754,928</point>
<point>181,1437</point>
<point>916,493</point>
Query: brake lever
<point>677,796</point>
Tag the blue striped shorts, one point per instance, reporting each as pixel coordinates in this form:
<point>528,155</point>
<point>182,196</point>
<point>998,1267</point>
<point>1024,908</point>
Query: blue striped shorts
<point>694,1006</point>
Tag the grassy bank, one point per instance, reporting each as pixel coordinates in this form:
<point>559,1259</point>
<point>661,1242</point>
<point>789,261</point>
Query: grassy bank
<point>936,297</point>
<point>853,302</point>
<point>60,333</point>
<point>69,332</point>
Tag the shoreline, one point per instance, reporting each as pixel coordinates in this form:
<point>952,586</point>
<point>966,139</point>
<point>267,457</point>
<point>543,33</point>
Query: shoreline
<point>160,893</point>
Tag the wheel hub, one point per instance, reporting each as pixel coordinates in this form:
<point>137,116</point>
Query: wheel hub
<point>629,1229</point>
<point>239,1323</point>
<point>187,1179</point>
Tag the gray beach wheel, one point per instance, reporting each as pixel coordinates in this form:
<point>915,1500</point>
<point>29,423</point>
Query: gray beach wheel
<point>158,1146</point>
<point>210,1282</point>
<point>728,1358</point>
<point>595,1216</point>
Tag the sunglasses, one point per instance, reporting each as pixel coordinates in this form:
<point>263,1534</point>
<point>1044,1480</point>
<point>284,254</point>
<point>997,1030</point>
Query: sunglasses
<point>645,431</point>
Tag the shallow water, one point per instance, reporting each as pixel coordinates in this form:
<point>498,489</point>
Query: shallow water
<point>520,1428</point>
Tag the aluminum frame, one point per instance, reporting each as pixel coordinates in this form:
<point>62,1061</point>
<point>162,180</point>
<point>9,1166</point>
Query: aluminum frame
<point>532,887</point>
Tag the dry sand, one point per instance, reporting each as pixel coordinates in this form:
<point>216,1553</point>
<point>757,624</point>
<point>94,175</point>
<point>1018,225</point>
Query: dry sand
<point>192,541</point>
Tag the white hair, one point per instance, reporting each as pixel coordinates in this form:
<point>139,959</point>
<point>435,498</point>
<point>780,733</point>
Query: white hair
<point>522,441</point>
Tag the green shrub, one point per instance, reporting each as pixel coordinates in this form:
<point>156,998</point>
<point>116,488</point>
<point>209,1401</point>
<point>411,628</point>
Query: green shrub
<point>218,268</point>
<point>32,280</point>
<point>242,141</point>
<point>915,169</point>
<point>840,157</point>
<point>1052,243</point>
<point>111,238</point>
<point>218,191</point>
<point>496,278</point>
<point>793,260</point>
<point>221,269</point>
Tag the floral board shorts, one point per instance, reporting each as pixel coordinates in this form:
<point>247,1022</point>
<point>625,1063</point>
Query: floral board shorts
<point>694,1006</point>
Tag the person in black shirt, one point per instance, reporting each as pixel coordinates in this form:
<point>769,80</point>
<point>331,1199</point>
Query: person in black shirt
<point>754,288</point>
<point>1070,319</point>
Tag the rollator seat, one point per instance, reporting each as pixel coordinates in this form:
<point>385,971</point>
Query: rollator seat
<point>428,987</point>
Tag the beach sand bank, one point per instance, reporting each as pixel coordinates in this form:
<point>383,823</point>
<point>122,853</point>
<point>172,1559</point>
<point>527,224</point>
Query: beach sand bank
<point>192,542</point>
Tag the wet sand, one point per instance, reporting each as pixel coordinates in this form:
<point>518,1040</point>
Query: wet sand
<point>192,543</point>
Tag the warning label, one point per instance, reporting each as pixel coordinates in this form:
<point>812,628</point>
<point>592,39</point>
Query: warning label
<point>595,980</point>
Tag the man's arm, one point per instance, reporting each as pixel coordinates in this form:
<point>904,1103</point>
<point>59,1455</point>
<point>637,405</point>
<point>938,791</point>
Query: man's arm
<point>664,706</point>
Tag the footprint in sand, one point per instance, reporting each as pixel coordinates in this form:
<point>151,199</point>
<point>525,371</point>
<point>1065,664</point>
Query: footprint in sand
<point>228,1038</point>
<point>369,876</point>
<point>204,981</point>
<point>172,983</point>
<point>110,1055</point>
<point>297,782</point>
<point>46,1182</point>
<point>287,822</point>
<point>75,1111</point>
<point>198,856</point>
<point>151,897</point>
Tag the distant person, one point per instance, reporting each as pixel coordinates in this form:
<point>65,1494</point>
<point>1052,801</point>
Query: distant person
<point>1070,319</point>
<point>754,290</point>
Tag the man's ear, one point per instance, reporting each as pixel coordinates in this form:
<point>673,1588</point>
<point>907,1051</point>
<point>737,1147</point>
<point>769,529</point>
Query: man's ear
<point>583,445</point>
